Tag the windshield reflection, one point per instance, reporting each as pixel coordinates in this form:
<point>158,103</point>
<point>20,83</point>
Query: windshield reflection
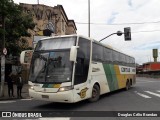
<point>52,67</point>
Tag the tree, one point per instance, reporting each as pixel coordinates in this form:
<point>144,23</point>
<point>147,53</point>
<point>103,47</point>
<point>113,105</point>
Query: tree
<point>16,24</point>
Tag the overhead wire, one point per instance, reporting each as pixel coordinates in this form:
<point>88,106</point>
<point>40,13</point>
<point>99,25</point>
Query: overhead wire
<point>134,23</point>
<point>147,31</point>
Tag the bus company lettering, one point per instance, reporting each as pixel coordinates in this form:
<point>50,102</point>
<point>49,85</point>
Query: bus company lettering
<point>124,69</point>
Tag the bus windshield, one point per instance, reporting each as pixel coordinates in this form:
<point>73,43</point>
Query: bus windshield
<point>50,61</point>
<point>51,67</point>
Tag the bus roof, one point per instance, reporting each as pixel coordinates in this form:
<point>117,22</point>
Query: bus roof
<point>95,41</point>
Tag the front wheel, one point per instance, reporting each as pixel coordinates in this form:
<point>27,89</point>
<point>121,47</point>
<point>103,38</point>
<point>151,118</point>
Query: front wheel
<point>95,93</point>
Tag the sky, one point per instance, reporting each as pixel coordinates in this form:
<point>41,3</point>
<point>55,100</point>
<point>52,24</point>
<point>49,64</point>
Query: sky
<point>110,16</point>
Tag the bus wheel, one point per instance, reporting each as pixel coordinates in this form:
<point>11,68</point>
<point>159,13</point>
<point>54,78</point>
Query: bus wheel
<point>95,93</point>
<point>127,85</point>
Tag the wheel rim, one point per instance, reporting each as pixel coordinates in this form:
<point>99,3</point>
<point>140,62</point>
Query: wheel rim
<point>94,93</point>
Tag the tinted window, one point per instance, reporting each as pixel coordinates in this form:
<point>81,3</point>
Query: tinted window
<point>127,59</point>
<point>59,67</point>
<point>56,43</point>
<point>107,54</point>
<point>83,58</point>
<point>122,58</point>
<point>84,48</point>
<point>38,67</point>
<point>115,56</point>
<point>133,60</point>
<point>97,52</point>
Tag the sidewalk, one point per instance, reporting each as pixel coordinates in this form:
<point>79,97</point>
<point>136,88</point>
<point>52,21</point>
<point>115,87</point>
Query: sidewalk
<point>25,94</point>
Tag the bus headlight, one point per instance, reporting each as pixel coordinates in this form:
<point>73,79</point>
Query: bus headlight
<point>66,88</point>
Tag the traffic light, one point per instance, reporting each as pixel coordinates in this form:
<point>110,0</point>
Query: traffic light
<point>127,34</point>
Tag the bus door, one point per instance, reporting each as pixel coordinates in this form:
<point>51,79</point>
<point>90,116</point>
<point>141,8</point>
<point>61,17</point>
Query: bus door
<point>81,86</point>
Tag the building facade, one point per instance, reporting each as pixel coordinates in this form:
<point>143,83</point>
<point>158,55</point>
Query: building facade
<point>49,21</point>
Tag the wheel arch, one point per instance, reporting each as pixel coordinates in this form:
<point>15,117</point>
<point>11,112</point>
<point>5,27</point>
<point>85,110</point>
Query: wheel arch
<point>95,83</point>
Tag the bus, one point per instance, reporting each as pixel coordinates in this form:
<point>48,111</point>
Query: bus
<point>73,68</point>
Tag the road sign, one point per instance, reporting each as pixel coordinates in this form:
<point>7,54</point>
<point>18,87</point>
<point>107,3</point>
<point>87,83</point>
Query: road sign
<point>4,51</point>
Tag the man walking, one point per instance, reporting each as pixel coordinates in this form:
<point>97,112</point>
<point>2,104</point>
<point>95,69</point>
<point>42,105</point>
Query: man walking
<point>10,85</point>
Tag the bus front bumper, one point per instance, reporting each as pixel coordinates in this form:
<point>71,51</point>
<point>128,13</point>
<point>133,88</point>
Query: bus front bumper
<point>65,97</point>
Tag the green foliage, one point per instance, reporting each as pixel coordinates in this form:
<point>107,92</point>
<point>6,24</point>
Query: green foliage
<point>17,24</point>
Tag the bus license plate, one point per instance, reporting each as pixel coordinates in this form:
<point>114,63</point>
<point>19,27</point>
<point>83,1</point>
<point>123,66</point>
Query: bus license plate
<point>45,96</point>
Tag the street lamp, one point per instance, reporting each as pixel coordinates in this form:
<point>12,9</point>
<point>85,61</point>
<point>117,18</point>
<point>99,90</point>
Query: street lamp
<point>127,34</point>
<point>119,33</point>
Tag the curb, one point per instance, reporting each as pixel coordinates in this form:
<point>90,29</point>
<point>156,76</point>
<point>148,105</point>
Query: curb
<point>25,94</point>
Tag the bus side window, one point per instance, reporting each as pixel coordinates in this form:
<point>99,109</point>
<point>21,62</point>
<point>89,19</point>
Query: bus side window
<point>115,57</point>
<point>97,52</point>
<point>82,65</point>
<point>107,55</point>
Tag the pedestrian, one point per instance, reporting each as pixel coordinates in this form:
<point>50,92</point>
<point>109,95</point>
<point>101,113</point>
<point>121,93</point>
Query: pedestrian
<point>10,85</point>
<point>19,84</point>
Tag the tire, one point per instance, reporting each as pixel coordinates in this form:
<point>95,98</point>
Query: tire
<point>95,93</point>
<point>127,85</point>
<point>131,83</point>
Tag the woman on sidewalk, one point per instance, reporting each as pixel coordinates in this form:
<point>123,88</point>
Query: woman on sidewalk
<point>19,84</point>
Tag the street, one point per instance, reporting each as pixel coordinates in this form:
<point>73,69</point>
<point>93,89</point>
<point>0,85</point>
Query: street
<point>144,96</point>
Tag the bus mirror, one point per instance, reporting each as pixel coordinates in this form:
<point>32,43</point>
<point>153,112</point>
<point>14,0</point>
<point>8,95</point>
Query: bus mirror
<point>25,57</point>
<point>73,53</point>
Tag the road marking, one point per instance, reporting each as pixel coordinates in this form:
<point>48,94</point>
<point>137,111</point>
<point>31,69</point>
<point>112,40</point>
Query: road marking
<point>7,101</point>
<point>26,99</point>
<point>54,118</point>
<point>142,95</point>
<point>147,81</point>
<point>158,90</point>
<point>152,93</point>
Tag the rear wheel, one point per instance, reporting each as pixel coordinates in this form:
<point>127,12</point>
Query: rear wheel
<point>128,85</point>
<point>95,93</point>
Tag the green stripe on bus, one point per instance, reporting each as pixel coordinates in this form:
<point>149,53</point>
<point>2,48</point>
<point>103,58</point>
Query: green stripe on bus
<point>45,86</point>
<point>111,76</point>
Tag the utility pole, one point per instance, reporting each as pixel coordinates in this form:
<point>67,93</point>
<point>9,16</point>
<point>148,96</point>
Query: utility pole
<point>38,2</point>
<point>88,18</point>
<point>2,60</point>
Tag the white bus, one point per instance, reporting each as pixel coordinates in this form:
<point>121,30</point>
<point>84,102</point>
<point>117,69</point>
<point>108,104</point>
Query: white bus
<point>73,68</point>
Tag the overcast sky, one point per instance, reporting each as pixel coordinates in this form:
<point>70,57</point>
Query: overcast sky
<point>109,16</point>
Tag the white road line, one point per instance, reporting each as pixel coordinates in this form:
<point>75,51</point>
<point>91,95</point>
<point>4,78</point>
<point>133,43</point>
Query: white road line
<point>26,99</point>
<point>158,90</point>
<point>152,93</point>
<point>7,101</point>
<point>142,95</point>
<point>147,81</point>
<point>54,118</point>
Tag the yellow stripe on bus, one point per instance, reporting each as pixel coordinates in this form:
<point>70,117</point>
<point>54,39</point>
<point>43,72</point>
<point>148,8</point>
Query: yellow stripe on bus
<point>56,85</point>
